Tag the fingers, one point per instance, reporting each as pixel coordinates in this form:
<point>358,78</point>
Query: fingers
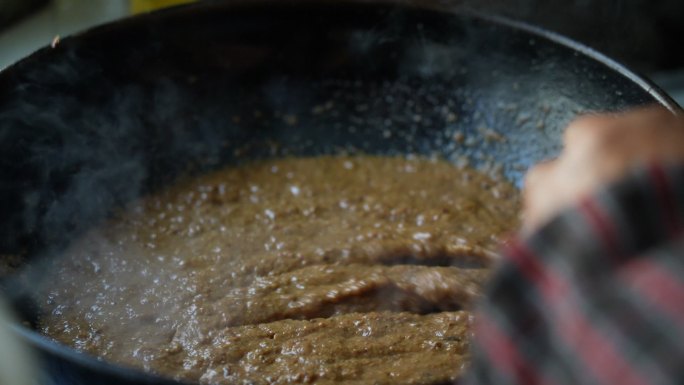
<point>585,128</point>
<point>537,194</point>
<point>649,115</point>
<point>600,149</point>
<point>538,174</point>
<point>592,128</point>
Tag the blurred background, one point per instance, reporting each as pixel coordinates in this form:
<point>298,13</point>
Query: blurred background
<point>26,25</point>
<point>643,34</point>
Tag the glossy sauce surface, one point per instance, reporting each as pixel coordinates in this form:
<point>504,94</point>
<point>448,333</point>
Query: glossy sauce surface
<point>328,269</point>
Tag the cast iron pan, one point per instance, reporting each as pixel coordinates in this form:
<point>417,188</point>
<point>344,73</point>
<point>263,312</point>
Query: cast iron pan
<point>125,108</point>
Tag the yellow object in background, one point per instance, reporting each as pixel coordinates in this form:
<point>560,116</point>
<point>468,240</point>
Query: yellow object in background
<point>138,6</point>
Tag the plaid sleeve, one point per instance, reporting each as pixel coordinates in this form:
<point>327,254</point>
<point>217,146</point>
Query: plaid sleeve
<point>595,297</point>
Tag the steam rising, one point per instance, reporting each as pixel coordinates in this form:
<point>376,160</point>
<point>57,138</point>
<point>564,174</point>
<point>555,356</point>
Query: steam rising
<point>85,151</point>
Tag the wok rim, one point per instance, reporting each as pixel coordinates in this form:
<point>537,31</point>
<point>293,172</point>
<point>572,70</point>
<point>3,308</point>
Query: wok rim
<point>642,81</point>
<point>44,344</point>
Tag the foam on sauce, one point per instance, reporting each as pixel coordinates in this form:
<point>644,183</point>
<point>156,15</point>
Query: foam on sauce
<point>328,269</point>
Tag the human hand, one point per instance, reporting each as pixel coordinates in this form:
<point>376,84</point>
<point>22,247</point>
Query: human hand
<point>600,149</point>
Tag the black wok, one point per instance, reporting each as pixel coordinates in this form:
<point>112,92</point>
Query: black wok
<point>125,108</point>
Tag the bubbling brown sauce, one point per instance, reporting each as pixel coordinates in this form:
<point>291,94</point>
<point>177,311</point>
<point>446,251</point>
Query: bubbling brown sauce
<point>298,270</point>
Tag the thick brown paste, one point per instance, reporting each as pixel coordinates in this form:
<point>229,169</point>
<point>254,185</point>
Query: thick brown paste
<point>298,270</point>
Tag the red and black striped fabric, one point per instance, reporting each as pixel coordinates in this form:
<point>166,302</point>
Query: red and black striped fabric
<point>596,296</point>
